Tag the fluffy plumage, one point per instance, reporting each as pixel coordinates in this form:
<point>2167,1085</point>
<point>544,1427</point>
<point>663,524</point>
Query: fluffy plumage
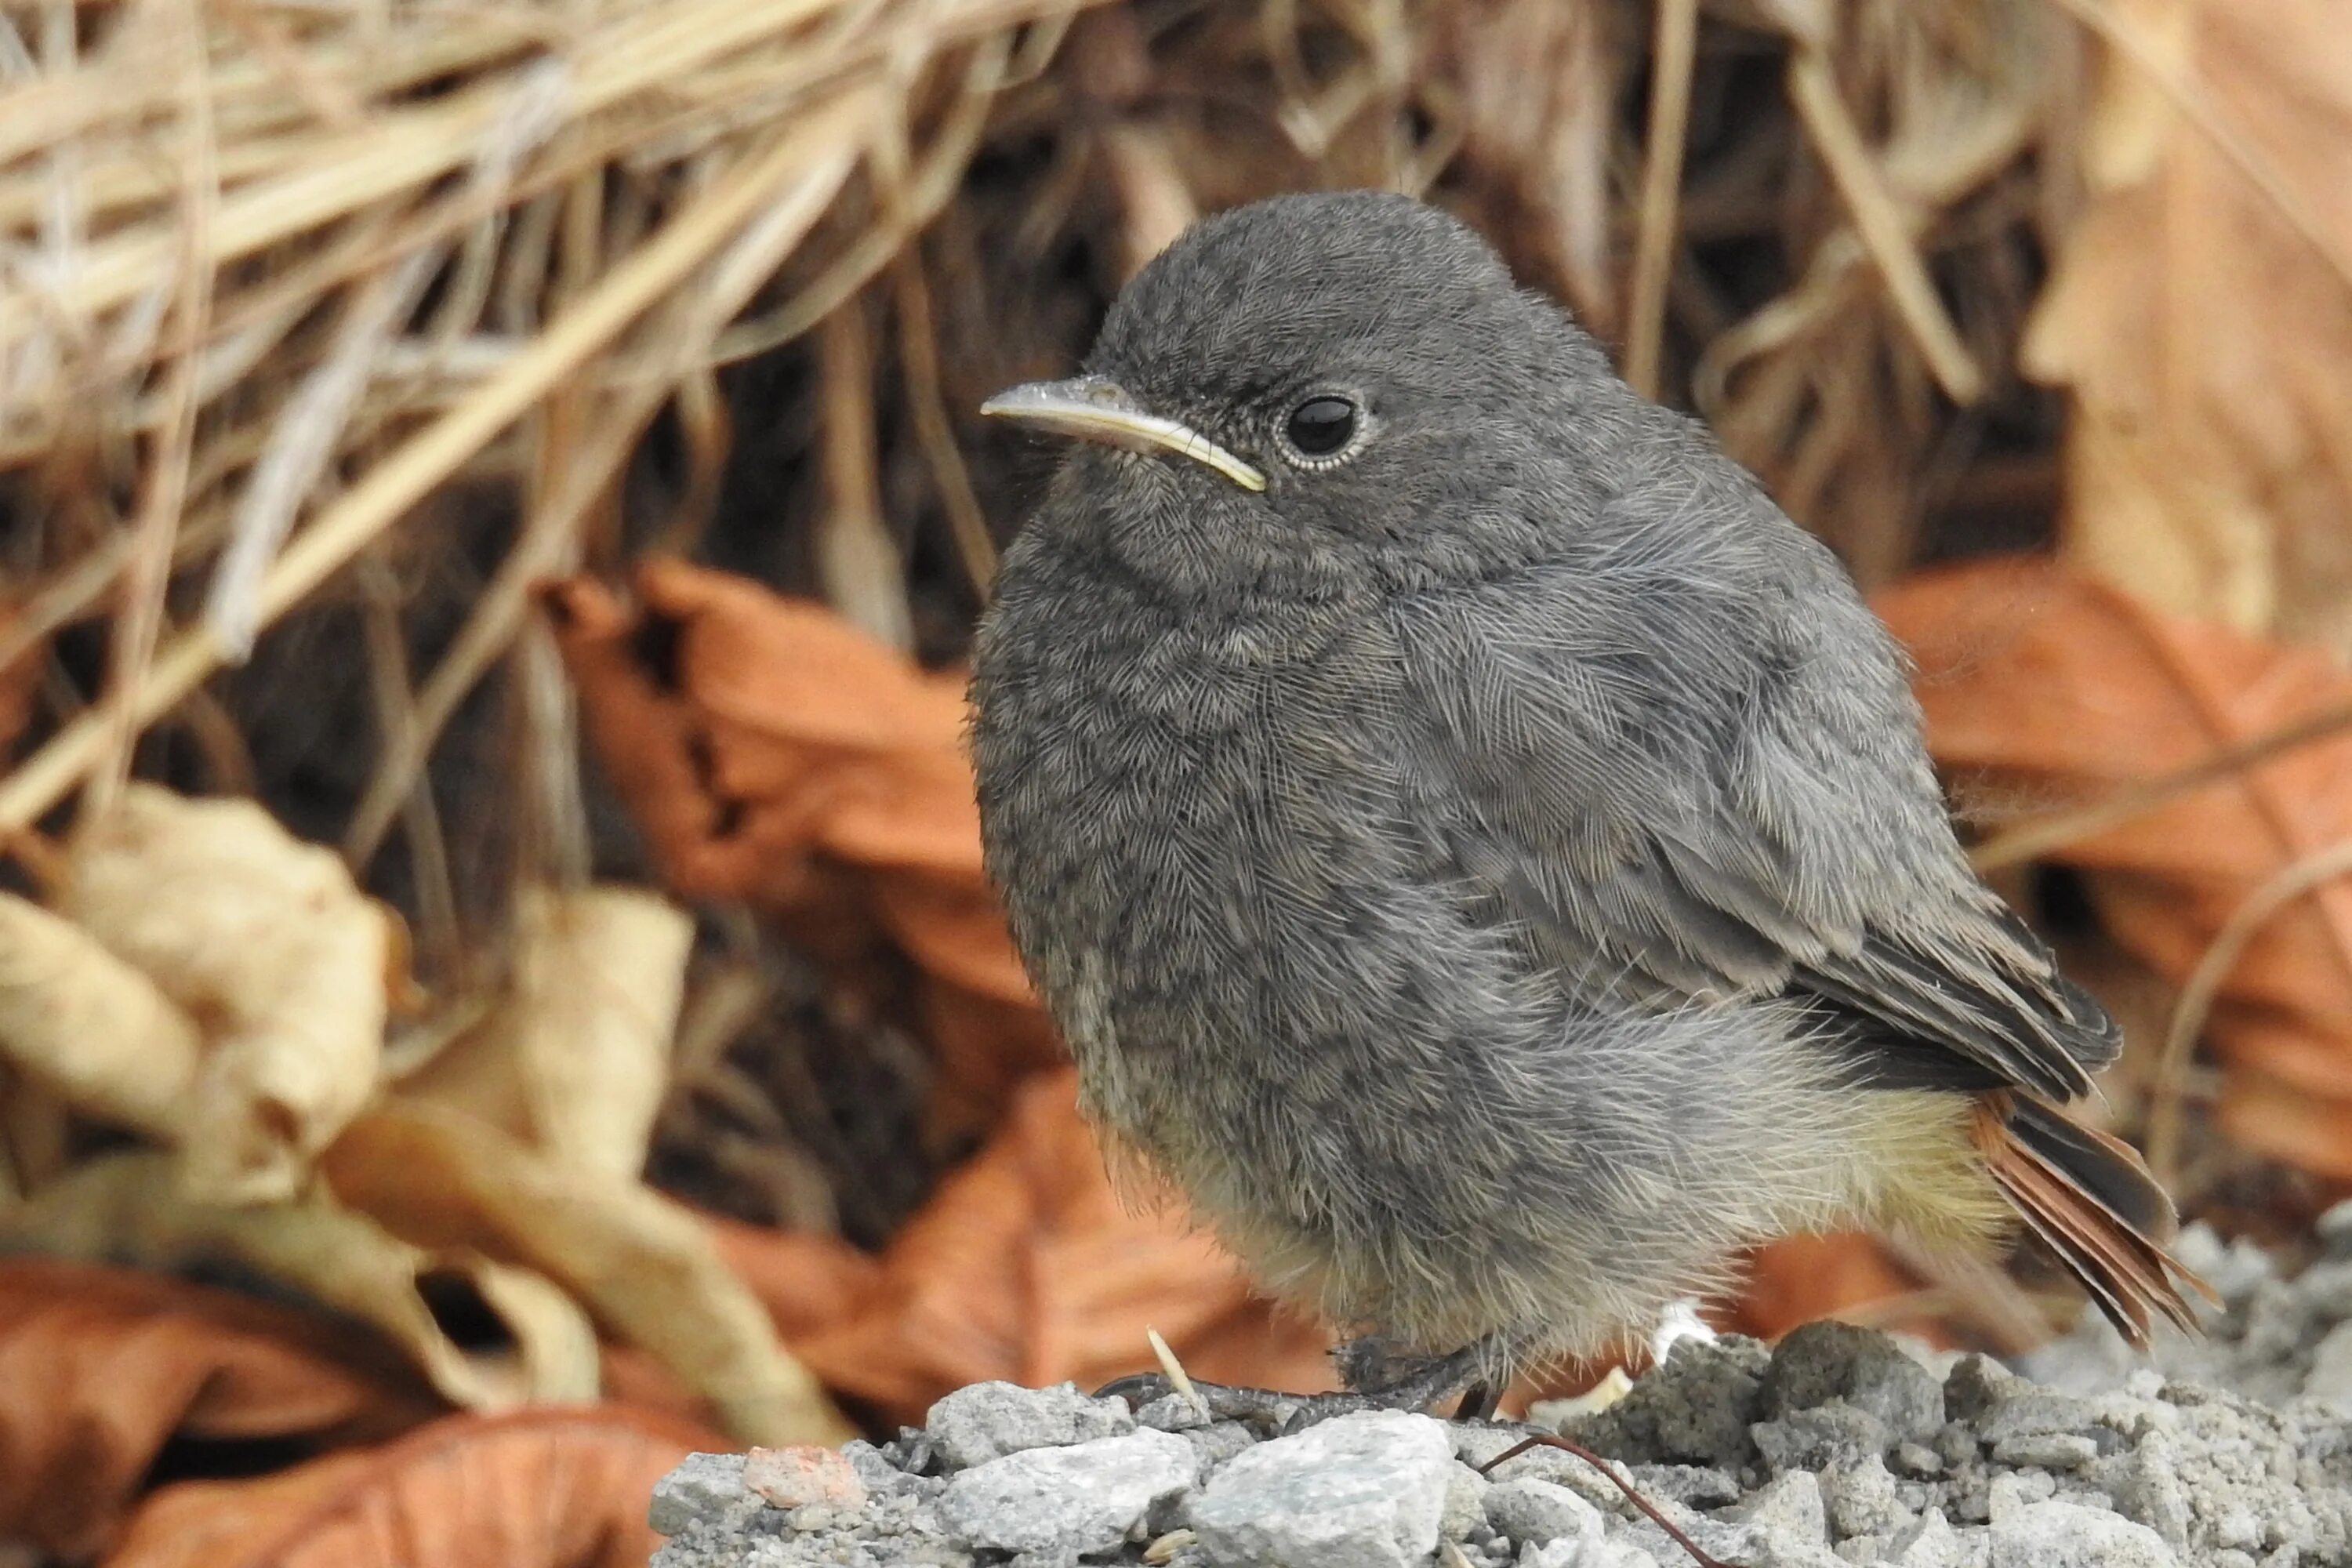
<point>1496,873</point>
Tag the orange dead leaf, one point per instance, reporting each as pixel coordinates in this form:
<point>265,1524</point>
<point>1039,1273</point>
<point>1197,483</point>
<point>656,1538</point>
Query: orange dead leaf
<point>1027,1266</point>
<point>2063,690</point>
<point>771,752</point>
<point>540,1488</point>
<point>104,1366</point>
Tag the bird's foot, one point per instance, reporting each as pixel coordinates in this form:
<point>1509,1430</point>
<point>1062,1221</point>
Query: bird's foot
<point>1413,1384</point>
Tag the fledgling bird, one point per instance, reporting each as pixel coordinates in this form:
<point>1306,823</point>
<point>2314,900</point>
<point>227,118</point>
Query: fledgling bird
<point>1475,844</point>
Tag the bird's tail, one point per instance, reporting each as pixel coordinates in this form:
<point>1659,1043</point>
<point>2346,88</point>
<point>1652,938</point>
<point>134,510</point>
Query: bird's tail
<point>2090,1200</point>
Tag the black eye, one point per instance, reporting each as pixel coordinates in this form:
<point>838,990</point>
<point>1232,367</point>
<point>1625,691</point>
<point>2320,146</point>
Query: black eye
<point>1321,426</point>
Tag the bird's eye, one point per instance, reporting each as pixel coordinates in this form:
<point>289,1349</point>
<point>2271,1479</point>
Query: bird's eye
<point>1321,426</point>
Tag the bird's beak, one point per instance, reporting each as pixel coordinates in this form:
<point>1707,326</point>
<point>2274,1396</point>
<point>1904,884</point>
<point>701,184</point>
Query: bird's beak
<point>1096,408</point>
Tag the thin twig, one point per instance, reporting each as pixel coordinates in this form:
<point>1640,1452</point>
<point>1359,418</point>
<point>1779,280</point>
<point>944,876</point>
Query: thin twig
<point>2204,983</point>
<point>2038,837</point>
<point>150,565</point>
<point>1813,87</point>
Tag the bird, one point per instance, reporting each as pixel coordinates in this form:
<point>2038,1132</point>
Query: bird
<point>1476,848</point>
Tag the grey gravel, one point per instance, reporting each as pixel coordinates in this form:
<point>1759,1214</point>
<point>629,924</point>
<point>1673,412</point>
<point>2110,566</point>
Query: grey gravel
<point>989,1420</point>
<point>1838,1446</point>
<point>1359,1491</point>
<point>1085,1498</point>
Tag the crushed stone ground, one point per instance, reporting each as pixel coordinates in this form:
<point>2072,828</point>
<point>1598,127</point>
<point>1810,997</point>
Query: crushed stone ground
<point>1839,1446</point>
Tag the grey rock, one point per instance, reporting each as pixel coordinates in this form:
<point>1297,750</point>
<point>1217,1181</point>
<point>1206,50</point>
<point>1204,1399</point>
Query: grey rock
<point>1975,1384</point>
<point>1359,1491</point>
<point>1217,1443</point>
<point>1823,1361</point>
<point>1067,1501</point>
<point>1532,1511</point>
<point>2038,1413</point>
<point>2330,1377</point>
<point>1932,1542</point>
<point>1861,1499</point>
<point>1696,1409</point>
<point>2150,1491</point>
<point>704,1487</point>
<point>1789,1507</point>
<point>1917,1460</point>
<point>1815,1439</point>
<point>2048,1450</point>
<point>2057,1534</point>
<point>1693,1486</point>
<point>2335,1231</point>
<point>989,1420</point>
<point>1465,1503</point>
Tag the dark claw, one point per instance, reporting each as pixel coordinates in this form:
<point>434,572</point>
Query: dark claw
<point>1138,1389</point>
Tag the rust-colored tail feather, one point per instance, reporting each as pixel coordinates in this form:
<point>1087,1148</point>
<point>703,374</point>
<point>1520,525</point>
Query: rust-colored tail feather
<point>2091,1201</point>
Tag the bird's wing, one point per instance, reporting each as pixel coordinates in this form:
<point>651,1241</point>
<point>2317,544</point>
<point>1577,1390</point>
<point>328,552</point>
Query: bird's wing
<point>1674,780</point>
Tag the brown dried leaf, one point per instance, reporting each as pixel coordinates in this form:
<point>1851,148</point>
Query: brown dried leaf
<point>134,1207</point>
<point>266,944</point>
<point>1027,1266</point>
<point>542,1488</point>
<point>2201,322</point>
<point>90,1026</point>
<point>769,734</point>
<point>103,1366</point>
<point>2061,688</point>
<point>642,1264</point>
<point>575,1059</point>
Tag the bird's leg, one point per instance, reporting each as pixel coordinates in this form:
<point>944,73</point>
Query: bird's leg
<point>1388,1382</point>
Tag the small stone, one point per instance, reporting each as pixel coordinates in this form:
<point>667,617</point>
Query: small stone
<point>703,1487</point>
<point>1465,1503</point>
<point>1975,1384</point>
<point>2330,1377</point>
<point>2047,1450</point>
<point>2056,1534</point>
<point>1696,1409</point>
<point>1863,1499</point>
<point>2037,1413</point>
<point>1693,1486</point>
<point>1789,1507</point>
<point>2016,1491</point>
<point>1219,1442</point>
<point>1539,1511</point>
<point>803,1474</point>
<point>2151,1492</point>
<point>1930,1544</point>
<point>1867,1549</point>
<point>1069,1500</point>
<point>2334,1229</point>
<point>1823,1361</point>
<point>1917,1460</point>
<point>1366,1491</point>
<point>986,1421</point>
<point>1814,1439</point>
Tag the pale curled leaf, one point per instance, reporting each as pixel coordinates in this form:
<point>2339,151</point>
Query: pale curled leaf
<point>642,1264</point>
<point>90,1027</point>
<point>263,940</point>
<point>575,1059</point>
<point>133,1207</point>
<point>2201,312</point>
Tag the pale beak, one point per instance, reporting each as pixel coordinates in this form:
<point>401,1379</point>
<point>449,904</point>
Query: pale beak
<point>1096,408</point>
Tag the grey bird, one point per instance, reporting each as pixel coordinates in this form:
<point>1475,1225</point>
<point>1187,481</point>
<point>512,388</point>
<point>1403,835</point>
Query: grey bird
<point>1474,844</point>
